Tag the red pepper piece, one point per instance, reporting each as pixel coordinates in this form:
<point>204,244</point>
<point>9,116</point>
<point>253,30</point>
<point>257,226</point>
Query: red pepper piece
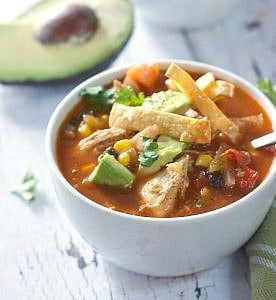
<point>246,178</point>
<point>240,157</point>
<point>145,75</point>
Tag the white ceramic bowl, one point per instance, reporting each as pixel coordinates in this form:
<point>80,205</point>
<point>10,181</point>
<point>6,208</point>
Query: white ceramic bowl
<point>161,246</point>
<point>186,13</point>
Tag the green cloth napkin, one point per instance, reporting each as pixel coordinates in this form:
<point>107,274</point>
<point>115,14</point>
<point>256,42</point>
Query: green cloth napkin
<point>262,258</point>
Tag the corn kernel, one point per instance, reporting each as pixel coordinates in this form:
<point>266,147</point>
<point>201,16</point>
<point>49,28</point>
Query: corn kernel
<point>104,121</point>
<point>92,122</point>
<point>87,167</point>
<point>215,165</point>
<point>205,193</point>
<point>123,145</point>
<point>124,159</point>
<point>84,130</point>
<point>203,160</point>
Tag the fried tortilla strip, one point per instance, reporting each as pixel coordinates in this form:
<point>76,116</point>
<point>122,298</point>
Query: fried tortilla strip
<point>159,194</point>
<point>185,129</point>
<point>204,104</point>
<point>101,139</point>
<point>214,89</point>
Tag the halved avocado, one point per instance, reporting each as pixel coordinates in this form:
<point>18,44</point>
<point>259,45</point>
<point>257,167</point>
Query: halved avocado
<point>25,58</point>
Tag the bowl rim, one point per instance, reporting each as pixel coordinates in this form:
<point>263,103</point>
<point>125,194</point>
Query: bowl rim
<point>54,124</point>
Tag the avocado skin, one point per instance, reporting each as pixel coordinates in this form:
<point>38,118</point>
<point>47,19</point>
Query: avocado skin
<point>110,172</point>
<point>78,76</point>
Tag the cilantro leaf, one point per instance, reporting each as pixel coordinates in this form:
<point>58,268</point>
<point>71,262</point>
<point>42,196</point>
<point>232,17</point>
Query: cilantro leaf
<point>149,154</point>
<point>126,96</point>
<point>267,87</point>
<point>27,188</point>
<point>98,96</point>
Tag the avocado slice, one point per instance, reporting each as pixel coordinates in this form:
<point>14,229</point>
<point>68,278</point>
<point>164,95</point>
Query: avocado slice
<point>26,58</point>
<point>168,101</point>
<point>168,149</point>
<point>110,172</point>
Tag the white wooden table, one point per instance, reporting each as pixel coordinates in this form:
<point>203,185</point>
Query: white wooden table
<point>41,256</point>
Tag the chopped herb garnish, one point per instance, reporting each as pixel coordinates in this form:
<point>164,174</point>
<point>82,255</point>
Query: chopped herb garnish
<point>267,87</point>
<point>126,96</point>
<point>27,188</point>
<point>98,96</point>
<point>149,154</point>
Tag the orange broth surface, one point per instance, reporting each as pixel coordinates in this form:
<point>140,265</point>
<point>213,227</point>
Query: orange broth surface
<point>72,161</point>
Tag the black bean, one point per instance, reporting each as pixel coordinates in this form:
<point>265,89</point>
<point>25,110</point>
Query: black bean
<point>215,179</point>
<point>76,120</point>
<point>111,151</point>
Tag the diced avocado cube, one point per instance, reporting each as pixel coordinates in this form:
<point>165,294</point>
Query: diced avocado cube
<point>110,172</point>
<point>168,101</point>
<point>168,149</point>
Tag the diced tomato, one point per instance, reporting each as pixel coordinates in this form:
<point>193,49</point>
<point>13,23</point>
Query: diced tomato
<point>271,148</point>
<point>242,158</point>
<point>145,75</point>
<point>246,178</point>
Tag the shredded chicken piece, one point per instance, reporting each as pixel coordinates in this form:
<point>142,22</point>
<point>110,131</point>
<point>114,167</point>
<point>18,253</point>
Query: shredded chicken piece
<point>245,122</point>
<point>191,113</point>
<point>149,132</point>
<point>222,89</point>
<point>117,84</point>
<point>206,82</point>
<point>171,85</point>
<point>215,89</point>
<point>101,139</point>
<point>160,193</point>
<point>128,81</point>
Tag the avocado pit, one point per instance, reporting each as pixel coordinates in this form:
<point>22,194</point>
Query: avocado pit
<point>75,23</point>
